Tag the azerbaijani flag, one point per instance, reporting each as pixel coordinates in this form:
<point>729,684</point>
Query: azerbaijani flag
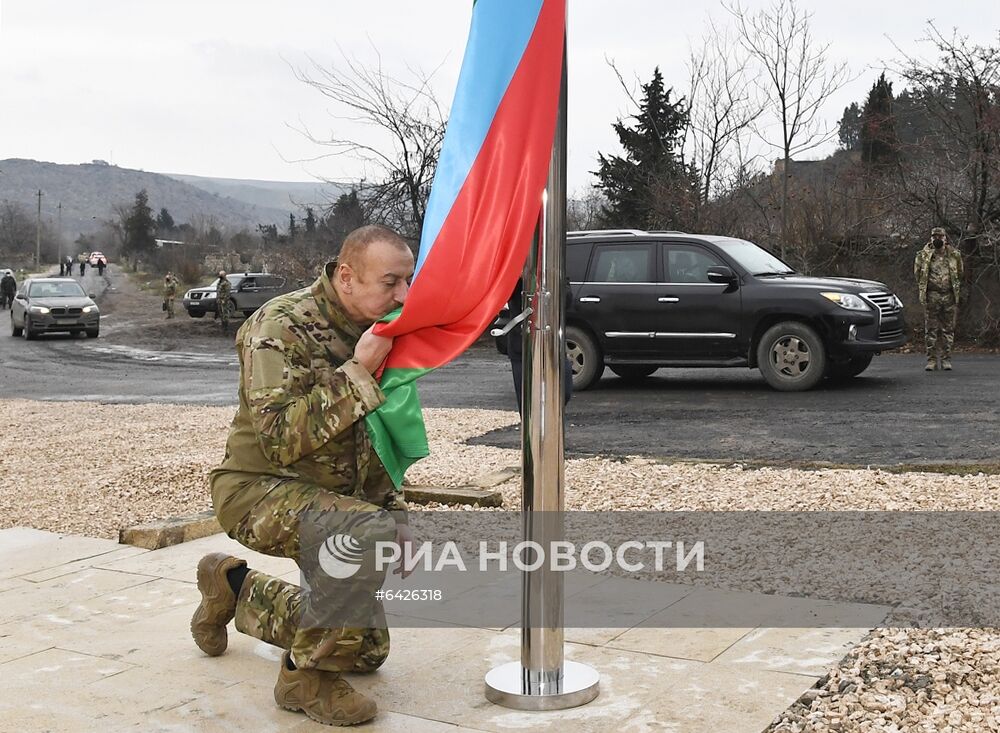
<point>483,208</point>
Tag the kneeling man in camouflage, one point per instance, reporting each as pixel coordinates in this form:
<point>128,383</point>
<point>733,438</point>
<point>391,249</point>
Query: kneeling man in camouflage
<point>300,480</point>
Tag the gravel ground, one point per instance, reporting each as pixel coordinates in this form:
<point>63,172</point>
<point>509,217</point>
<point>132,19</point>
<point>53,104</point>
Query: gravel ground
<point>87,468</point>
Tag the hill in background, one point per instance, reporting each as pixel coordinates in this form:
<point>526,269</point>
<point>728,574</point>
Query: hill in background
<point>279,195</point>
<point>90,191</point>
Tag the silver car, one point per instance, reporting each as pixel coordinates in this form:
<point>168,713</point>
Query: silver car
<point>49,304</point>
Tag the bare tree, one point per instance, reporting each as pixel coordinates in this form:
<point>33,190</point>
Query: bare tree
<point>17,229</point>
<point>797,79</point>
<point>583,209</point>
<point>953,170</point>
<point>723,106</point>
<point>411,126</point>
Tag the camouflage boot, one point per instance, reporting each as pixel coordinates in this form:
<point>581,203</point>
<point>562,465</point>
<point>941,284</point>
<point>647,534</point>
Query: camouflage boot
<point>326,697</point>
<point>218,603</point>
<point>946,363</point>
<point>931,364</point>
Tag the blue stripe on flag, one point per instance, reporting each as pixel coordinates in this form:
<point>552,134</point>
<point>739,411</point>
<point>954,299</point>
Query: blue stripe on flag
<point>499,34</point>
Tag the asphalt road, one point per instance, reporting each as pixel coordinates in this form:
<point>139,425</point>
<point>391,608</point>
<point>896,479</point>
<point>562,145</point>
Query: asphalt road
<point>894,413</point>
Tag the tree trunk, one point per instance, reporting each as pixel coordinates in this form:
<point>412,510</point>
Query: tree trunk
<point>784,207</point>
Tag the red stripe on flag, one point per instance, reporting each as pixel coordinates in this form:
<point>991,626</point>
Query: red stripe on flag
<point>487,234</point>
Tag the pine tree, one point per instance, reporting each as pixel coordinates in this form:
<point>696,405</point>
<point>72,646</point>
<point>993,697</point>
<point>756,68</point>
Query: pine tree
<point>346,215</point>
<point>164,221</point>
<point>310,221</point>
<point>879,140</point>
<point>850,127</point>
<point>651,186</point>
<point>140,227</point>
<point>293,230</point>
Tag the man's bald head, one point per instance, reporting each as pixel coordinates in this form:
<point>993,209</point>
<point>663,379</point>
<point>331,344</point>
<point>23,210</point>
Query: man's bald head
<point>355,248</point>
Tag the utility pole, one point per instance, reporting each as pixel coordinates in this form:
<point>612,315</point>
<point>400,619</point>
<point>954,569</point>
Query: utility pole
<point>59,230</point>
<point>38,232</point>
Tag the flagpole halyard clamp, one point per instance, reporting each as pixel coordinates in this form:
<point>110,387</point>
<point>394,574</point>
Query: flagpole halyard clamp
<point>520,318</point>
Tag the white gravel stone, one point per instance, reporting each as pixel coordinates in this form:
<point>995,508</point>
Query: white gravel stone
<point>87,468</point>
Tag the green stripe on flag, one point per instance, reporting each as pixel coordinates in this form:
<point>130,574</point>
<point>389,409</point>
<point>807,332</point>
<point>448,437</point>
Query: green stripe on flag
<point>396,428</point>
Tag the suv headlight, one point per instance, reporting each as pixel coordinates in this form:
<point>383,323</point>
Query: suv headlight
<point>208,295</point>
<point>40,309</point>
<point>90,309</point>
<point>848,301</point>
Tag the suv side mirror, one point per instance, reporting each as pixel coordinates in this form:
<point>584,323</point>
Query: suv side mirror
<point>91,296</point>
<point>721,274</point>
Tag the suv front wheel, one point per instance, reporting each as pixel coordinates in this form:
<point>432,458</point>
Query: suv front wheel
<point>584,358</point>
<point>791,357</point>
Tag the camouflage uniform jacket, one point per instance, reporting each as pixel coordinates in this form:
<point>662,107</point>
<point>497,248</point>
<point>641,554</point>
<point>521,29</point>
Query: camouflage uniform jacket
<point>170,288</point>
<point>922,269</point>
<point>303,398</point>
<point>222,290</point>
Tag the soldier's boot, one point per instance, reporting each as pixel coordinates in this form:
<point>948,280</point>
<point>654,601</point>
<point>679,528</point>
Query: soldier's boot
<point>218,603</point>
<point>326,697</point>
<point>931,364</point>
<point>946,363</point>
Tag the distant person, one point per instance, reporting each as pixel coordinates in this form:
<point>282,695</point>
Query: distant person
<point>8,287</point>
<point>222,304</point>
<point>938,270</point>
<point>83,264</point>
<point>101,264</point>
<point>169,292</point>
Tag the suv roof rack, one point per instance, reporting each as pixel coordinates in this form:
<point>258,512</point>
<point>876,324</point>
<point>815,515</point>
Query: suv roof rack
<point>666,231</point>
<point>603,232</point>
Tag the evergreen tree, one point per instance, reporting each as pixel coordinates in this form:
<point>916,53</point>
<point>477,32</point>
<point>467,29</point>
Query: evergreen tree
<point>293,230</point>
<point>850,127</point>
<point>650,187</point>
<point>346,215</point>
<point>164,221</point>
<point>879,141</point>
<point>310,221</point>
<point>140,227</point>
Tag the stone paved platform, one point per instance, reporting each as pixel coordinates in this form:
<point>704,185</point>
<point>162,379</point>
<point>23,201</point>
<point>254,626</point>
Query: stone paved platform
<point>94,637</point>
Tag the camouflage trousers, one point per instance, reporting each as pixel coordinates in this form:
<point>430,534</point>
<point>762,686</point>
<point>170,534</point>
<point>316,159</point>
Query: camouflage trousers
<point>940,311</point>
<point>225,309</point>
<point>169,302</point>
<point>331,623</point>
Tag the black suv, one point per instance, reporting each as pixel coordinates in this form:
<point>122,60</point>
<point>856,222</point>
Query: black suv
<point>248,291</point>
<point>645,300</point>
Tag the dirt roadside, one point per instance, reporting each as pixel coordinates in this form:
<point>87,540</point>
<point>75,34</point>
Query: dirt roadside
<point>132,316</point>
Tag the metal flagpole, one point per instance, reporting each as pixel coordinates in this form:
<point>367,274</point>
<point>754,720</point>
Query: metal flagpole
<point>542,679</point>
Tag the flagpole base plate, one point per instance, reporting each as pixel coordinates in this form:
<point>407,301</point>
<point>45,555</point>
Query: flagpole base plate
<point>507,686</point>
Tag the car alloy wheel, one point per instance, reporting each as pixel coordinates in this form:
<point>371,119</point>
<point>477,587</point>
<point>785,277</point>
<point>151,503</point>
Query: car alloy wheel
<point>586,362</point>
<point>791,357</point>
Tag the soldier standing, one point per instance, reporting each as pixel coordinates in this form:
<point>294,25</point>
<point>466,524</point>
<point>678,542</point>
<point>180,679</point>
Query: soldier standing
<point>169,294</point>
<point>938,270</point>
<point>222,304</point>
<point>300,469</point>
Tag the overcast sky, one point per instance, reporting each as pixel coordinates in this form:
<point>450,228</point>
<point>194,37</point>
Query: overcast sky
<point>206,87</point>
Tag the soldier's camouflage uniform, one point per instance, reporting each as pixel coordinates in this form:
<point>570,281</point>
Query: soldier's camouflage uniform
<point>169,295</point>
<point>222,303</point>
<point>939,281</point>
<point>298,453</point>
